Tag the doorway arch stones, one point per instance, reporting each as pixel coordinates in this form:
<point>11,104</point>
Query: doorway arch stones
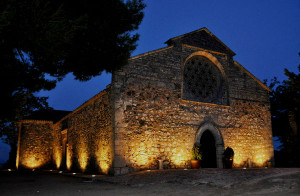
<point>218,141</point>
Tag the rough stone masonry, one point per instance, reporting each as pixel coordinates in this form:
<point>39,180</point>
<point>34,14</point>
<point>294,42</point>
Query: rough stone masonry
<point>157,107</point>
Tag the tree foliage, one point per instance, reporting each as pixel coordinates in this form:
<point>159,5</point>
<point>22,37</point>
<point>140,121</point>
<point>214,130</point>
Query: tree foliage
<point>56,37</point>
<point>62,36</point>
<point>285,110</point>
<point>40,38</point>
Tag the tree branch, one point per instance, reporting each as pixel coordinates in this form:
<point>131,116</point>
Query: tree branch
<point>21,55</point>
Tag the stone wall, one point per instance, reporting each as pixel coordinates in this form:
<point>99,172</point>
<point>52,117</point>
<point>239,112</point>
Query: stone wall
<point>145,116</point>
<point>244,87</point>
<point>81,141</point>
<point>251,112</point>
<point>249,132</point>
<point>154,123</point>
<point>57,146</point>
<point>35,144</point>
<point>90,136</point>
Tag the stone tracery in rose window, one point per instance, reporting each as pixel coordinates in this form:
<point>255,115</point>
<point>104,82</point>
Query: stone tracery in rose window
<point>202,81</point>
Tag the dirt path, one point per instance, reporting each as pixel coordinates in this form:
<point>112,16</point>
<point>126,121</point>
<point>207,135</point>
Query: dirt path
<point>166,182</point>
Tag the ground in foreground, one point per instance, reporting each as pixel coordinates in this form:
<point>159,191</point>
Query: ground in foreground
<point>159,182</point>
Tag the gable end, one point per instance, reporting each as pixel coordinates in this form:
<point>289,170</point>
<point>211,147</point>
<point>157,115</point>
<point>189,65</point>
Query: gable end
<point>202,38</point>
<point>252,76</point>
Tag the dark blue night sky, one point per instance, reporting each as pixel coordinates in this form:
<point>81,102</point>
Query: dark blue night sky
<point>265,35</point>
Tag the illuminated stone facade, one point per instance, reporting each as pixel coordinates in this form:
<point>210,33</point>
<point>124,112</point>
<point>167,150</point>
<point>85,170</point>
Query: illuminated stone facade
<point>156,108</point>
<point>36,149</point>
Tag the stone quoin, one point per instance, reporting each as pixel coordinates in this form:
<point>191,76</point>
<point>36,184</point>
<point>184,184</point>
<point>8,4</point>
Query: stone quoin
<point>155,109</point>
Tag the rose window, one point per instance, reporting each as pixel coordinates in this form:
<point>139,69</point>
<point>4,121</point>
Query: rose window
<point>202,80</point>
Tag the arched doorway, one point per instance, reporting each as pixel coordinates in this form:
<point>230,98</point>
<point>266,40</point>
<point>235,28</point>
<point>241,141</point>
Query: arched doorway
<point>208,147</point>
<point>209,136</point>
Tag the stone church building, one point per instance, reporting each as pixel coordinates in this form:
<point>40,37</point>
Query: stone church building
<point>156,108</point>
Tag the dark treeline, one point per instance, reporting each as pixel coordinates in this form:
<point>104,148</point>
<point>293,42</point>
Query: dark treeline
<point>285,111</point>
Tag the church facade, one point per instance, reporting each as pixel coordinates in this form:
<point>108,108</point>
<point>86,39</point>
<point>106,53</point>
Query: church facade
<point>155,109</point>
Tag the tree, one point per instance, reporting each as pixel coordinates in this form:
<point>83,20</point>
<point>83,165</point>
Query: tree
<point>40,38</point>
<point>285,103</point>
<point>62,36</point>
<point>18,81</point>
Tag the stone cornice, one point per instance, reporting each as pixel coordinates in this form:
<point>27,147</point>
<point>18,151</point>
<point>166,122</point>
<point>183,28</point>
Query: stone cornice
<point>197,48</point>
<point>37,121</point>
<point>151,52</point>
<point>207,104</point>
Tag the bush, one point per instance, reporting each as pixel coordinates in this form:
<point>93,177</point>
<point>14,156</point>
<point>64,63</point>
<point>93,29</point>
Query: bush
<point>196,152</point>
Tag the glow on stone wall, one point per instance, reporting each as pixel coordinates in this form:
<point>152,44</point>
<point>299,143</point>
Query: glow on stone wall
<point>142,158</point>
<point>82,155</point>
<point>69,158</point>
<point>57,156</point>
<point>17,160</point>
<point>32,162</point>
<point>35,144</point>
<point>141,155</point>
<point>104,166</point>
<point>57,160</point>
<point>145,156</point>
<point>180,156</point>
<point>104,163</point>
<point>103,158</point>
<point>35,157</point>
<point>239,157</point>
<point>83,160</point>
<point>57,148</point>
<point>18,150</point>
<point>256,154</point>
<point>260,158</point>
